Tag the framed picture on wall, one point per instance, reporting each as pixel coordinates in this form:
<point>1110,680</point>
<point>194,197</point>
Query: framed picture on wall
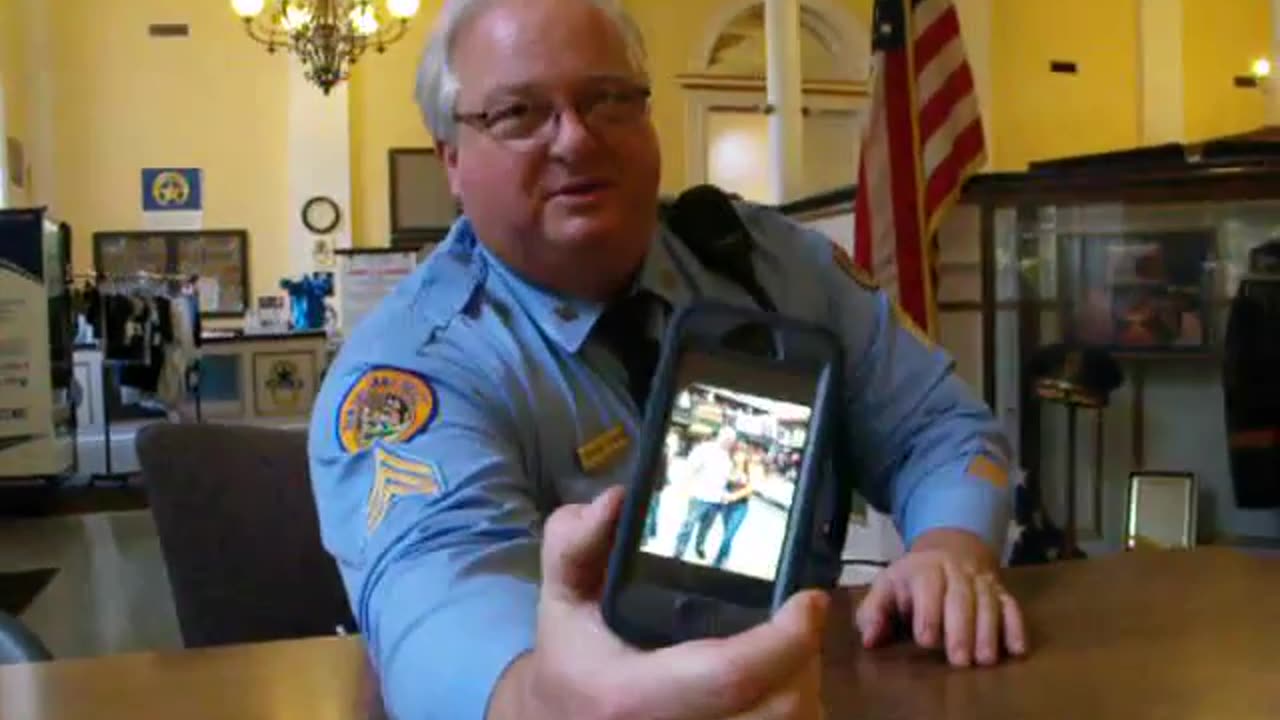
<point>1139,293</point>
<point>422,206</point>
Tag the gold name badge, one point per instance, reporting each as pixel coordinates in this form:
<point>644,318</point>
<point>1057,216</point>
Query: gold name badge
<point>603,449</point>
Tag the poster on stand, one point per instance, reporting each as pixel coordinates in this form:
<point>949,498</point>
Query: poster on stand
<point>24,351</point>
<point>365,277</point>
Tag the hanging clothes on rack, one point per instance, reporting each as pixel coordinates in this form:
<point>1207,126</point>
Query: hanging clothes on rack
<point>180,353</point>
<point>149,328</point>
<point>148,331</point>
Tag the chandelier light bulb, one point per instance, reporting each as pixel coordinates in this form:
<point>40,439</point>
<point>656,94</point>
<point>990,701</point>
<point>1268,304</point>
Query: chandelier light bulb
<point>1262,68</point>
<point>247,8</point>
<point>363,19</point>
<point>327,36</point>
<point>403,9</point>
<point>296,17</point>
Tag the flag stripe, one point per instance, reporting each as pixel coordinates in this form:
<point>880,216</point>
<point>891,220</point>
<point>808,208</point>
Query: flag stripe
<point>923,138</point>
<point>904,189</point>
<point>943,67</point>
<point>883,259</point>
<point>936,113</point>
<point>927,12</point>
<point>947,180</point>
<point>934,38</point>
<point>959,116</point>
<point>880,197</point>
<point>862,215</point>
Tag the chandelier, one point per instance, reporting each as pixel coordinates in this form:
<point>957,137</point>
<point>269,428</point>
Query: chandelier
<point>328,36</point>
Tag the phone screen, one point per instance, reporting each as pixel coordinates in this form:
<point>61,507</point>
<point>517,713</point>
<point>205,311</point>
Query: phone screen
<point>732,459</point>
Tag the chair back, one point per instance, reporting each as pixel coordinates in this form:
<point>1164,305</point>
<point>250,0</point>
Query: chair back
<point>238,531</point>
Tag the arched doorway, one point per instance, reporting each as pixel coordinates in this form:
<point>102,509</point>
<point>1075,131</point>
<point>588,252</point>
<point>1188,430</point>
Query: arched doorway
<point>725,99</point>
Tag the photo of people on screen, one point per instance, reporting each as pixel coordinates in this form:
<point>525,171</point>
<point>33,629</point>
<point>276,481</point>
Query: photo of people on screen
<point>731,464</point>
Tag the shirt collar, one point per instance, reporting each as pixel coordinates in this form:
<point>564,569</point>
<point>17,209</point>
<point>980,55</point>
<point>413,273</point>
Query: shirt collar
<point>569,320</point>
<point>662,274</point>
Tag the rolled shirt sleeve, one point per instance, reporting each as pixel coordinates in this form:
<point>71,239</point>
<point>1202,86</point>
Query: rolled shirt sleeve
<point>435,530</point>
<point>928,450</point>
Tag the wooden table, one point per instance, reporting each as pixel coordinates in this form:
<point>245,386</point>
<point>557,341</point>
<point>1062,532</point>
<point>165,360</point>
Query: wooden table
<point>1176,636</point>
<point>1169,635</point>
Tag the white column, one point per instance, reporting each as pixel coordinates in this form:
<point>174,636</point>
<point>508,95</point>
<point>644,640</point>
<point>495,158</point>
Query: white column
<point>1160,73</point>
<point>786,96</point>
<point>319,164</point>
<point>1273,92</point>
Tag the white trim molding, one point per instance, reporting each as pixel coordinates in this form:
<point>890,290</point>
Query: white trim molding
<point>852,41</point>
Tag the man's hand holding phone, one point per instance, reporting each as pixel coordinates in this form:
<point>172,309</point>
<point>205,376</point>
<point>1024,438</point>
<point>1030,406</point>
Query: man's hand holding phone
<point>581,669</point>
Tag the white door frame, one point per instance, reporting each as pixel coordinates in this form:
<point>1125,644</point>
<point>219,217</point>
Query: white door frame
<point>701,101</point>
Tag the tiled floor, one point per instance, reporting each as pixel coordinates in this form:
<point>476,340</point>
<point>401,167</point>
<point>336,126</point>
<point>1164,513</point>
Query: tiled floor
<point>111,593</point>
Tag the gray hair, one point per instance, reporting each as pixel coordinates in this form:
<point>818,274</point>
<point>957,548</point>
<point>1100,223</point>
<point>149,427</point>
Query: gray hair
<point>436,90</point>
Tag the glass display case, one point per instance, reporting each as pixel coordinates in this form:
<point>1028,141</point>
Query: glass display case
<point>219,258</point>
<point>1152,256</point>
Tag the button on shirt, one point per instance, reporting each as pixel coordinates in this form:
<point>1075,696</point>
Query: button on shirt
<point>458,414</point>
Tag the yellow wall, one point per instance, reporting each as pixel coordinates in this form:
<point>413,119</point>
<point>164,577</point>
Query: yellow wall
<point>384,116</point>
<point>13,71</point>
<point>1221,40</point>
<point>125,101</point>
<point>1040,115</point>
<point>672,30</point>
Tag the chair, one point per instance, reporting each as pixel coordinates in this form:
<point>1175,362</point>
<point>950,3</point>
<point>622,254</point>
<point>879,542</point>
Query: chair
<point>18,644</point>
<point>239,534</point>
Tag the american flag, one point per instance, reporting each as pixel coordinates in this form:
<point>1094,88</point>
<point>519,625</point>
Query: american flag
<point>923,139</point>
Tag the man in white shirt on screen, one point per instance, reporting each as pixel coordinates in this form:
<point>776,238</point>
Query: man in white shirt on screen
<point>707,474</point>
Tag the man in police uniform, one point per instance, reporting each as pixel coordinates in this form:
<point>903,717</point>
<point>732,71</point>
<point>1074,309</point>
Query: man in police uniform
<point>476,596</point>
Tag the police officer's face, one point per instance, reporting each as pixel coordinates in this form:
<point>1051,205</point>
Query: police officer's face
<point>572,207</point>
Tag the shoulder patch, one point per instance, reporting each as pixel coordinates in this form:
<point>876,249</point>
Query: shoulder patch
<point>846,264</point>
<point>984,468</point>
<point>396,476</point>
<point>385,404</point>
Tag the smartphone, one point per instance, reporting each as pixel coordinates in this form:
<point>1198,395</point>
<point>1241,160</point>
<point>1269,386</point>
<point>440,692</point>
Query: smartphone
<point>720,524</point>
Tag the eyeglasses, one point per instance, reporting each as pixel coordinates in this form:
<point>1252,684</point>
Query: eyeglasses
<point>528,119</point>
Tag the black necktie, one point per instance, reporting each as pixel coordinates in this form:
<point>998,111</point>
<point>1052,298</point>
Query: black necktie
<point>628,329</point>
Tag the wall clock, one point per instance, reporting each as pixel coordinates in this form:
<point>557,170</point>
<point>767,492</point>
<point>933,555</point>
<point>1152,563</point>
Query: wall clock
<point>321,215</point>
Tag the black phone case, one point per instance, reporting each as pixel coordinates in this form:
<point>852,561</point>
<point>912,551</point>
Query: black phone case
<point>726,331</point>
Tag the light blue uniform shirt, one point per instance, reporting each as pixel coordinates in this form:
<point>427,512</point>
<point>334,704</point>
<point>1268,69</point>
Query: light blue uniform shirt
<point>481,388</point>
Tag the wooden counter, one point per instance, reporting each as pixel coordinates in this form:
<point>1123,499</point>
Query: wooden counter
<point>1176,636</point>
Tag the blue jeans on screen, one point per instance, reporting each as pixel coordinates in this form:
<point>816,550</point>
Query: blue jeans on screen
<point>701,514</point>
<point>733,513</point>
